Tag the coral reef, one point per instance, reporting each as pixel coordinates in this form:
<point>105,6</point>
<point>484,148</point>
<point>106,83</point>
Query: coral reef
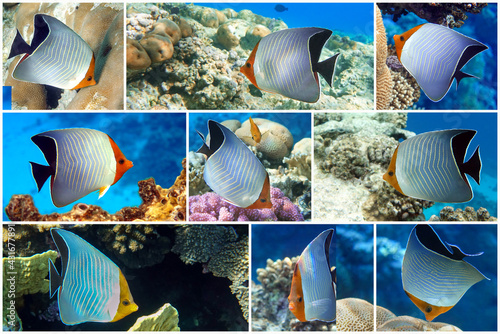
<point>142,243</point>
<point>23,276</point>
<point>448,213</point>
<point>411,324</point>
<point>166,319</point>
<point>157,204</point>
<point>385,83</point>
<point>452,14</point>
<point>352,151</point>
<point>222,253</point>
<point>203,72</point>
<point>354,315</point>
<point>100,26</point>
<point>211,207</point>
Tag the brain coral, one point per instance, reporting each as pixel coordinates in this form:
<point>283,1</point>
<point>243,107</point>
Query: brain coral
<point>276,141</point>
<point>211,207</point>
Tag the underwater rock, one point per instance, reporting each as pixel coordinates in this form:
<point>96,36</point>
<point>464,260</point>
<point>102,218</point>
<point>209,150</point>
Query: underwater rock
<point>166,27</point>
<point>211,207</point>
<point>100,26</point>
<point>137,57</point>
<point>166,319</point>
<point>231,32</point>
<point>157,204</point>
<point>276,141</point>
<point>158,47</point>
<point>137,246</point>
<point>300,159</point>
<point>253,36</point>
<point>452,14</point>
<point>197,243</point>
<point>467,214</point>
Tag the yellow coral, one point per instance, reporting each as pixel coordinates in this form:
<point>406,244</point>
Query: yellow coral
<point>385,83</point>
<point>166,319</point>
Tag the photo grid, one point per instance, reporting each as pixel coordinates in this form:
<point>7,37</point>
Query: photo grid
<point>250,166</point>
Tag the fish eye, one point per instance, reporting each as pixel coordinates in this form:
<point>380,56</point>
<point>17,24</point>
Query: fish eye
<point>263,200</point>
<point>391,173</point>
<point>299,299</point>
<point>121,161</point>
<point>89,79</point>
<point>401,38</point>
<point>428,309</point>
<point>126,302</point>
<point>248,65</point>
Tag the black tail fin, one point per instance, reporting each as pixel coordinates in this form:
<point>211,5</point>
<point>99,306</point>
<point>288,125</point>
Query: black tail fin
<point>19,46</point>
<point>473,166</point>
<point>204,149</point>
<point>460,75</point>
<point>41,173</point>
<point>55,279</point>
<point>327,68</point>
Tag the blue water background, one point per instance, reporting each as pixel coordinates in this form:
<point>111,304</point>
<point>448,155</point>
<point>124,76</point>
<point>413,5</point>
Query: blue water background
<point>472,93</point>
<point>485,194</point>
<point>477,310</point>
<point>352,253</point>
<point>353,19</point>
<point>299,124</point>
<point>154,142</point>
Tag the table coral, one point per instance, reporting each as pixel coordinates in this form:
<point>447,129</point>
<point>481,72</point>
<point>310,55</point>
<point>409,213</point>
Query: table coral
<point>211,207</point>
<point>157,204</point>
<point>166,319</point>
<point>101,27</point>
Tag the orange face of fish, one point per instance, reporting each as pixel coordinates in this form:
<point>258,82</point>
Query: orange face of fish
<point>248,69</point>
<point>400,40</point>
<point>390,175</point>
<point>296,297</point>
<point>122,164</point>
<point>264,200</point>
<point>254,130</point>
<point>430,311</point>
<point>89,79</point>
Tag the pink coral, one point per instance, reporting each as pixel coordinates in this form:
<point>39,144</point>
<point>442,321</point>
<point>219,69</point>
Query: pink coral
<point>211,207</point>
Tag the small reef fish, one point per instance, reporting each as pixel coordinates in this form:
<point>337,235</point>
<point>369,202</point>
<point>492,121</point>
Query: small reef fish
<point>434,55</point>
<point>57,56</point>
<point>287,62</point>
<point>254,130</point>
<point>80,161</point>
<point>233,171</point>
<point>280,8</point>
<point>313,292</point>
<point>90,287</point>
<point>430,166</point>
<point>435,278</point>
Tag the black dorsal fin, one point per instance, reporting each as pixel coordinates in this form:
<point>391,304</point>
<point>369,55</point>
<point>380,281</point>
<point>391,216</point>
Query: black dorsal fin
<point>204,149</point>
<point>467,55</point>
<point>430,240</point>
<point>473,166</point>
<point>460,143</point>
<point>54,278</point>
<point>327,68</point>
<point>41,173</point>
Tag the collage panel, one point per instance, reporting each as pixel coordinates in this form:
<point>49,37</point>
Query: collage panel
<point>251,56</point>
<point>125,277</point>
<point>405,166</point>
<point>294,268</point>
<point>63,55</point>
<point>439,277</point>
<point>101,166</point>
<point>437,56</point>
<point>249,166</point>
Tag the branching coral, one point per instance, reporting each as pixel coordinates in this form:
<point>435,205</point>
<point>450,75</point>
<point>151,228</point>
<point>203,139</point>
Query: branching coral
<point>157,204</point>
<point>385,83</point>
<point>448,213</point>
<point>211,207</point>
<point>137,246</point>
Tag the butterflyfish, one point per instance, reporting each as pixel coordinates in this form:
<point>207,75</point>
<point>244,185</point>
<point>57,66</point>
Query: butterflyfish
<point>57,56</point>
<point>435,275</point>
<point>233,171</point>
<point>254,130</point>
<point>80,161</point>
<point>313,292</point>
<point>431,166</point>
<point>90,287</point>
<point>434,55</point>
<point>287,62</point>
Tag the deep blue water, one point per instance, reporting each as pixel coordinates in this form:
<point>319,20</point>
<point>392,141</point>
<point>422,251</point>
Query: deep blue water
<point>352,253</point>
<point>485,195</point>
<point>472,93</point>
<point>477,310</point>
<point>354,19</point>
<point>299,124</point>
<point>149,140</point>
